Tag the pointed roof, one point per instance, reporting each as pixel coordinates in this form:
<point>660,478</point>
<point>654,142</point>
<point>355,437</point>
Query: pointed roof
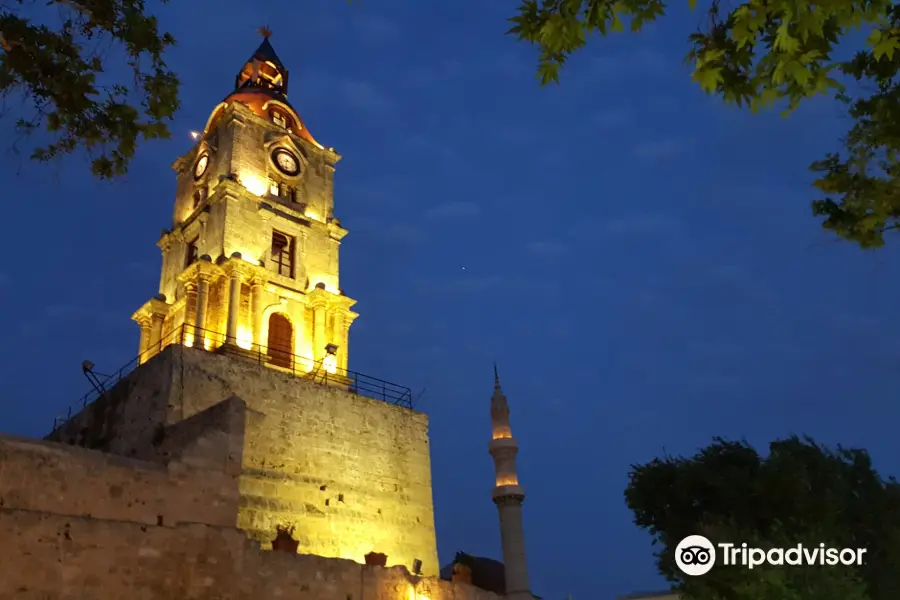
<point>498,391</point>
<point>266,53</point>
<point>257,90</point>
<point>498,398</point>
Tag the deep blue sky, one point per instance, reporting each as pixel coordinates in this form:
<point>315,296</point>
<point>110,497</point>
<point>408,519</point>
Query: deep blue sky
<point>639,259</point>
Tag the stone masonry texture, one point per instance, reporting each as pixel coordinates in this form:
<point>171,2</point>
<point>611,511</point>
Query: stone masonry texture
<point>350,474</point>
<point>58,557</point>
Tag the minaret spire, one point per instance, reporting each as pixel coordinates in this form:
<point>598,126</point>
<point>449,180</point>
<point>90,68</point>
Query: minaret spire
<point>508,495</point>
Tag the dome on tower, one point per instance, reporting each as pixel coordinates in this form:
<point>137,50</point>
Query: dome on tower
<point>262,86</point>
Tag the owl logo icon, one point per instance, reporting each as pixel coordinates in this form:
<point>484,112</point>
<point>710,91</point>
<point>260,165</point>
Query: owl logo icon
<point>695,555</point>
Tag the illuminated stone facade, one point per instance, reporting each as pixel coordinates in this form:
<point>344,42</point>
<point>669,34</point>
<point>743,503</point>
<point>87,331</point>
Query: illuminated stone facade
<point>254,240</point>
<point>349,473</point>
<point>174,482</point>
<point>92,525</point>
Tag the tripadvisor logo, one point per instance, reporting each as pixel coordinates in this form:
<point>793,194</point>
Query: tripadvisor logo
<point>696,555</point>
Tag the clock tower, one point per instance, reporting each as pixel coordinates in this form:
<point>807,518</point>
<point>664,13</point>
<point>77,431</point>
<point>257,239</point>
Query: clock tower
<point>250,263</point>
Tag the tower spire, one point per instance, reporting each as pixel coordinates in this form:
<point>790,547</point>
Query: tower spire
<point>508,495</point>
<point>264,70</point>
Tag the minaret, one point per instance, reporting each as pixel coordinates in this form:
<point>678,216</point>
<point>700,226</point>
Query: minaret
<point>508,495</point>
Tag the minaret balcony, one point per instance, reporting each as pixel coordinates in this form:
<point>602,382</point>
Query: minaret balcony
<point>508,491</point>
<point>503,446</point>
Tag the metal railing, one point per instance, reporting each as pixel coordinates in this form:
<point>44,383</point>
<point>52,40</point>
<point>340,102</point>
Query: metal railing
<point>275,358</point>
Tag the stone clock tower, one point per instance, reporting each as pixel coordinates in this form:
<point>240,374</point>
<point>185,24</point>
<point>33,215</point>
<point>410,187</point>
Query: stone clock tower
<point>251,260</point>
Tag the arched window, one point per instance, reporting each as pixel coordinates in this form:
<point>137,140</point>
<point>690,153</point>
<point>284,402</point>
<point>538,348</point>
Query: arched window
<point>281,335</point>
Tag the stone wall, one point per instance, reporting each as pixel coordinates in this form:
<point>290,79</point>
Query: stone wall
<point>127,419</point>
<point>51,557</point>
<point>349,473</point>
<point>41,477</point>
<point>352,474</point>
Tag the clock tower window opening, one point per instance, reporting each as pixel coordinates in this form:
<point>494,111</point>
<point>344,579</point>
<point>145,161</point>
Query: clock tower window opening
<point>199,196</point>
<point>269,76</point>
<point>282,254</point>
<point>282,190</point>
<point>193,252</point>
<point>281,120</point>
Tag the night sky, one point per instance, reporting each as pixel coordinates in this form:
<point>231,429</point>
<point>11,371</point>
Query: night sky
<point>639,259</point>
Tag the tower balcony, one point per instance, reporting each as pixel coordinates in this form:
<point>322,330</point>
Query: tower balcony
<point>323,371</point>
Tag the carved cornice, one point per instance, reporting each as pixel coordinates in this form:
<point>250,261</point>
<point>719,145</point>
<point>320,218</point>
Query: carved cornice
<point>228,187</point>
<point>203,269</point>
<point>319,298</point>
<point>154,308</point>
<point>272,207</point>
<point>237,266</point>
<point>336,231</point>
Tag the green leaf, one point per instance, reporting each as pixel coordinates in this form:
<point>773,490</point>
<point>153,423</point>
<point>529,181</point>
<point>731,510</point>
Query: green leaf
<point>886,47</point>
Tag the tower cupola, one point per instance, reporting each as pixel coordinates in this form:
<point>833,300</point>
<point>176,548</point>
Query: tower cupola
<point>264,70</point>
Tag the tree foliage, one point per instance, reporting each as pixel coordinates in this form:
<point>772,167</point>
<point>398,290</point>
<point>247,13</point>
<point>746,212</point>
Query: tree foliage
<point>761,53</point>
<point>800,493</point>
<point>758,54</point>
<point>62,63</point>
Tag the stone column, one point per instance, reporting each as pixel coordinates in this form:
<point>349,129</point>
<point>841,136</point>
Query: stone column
<point>156,325</point>
<point>338,338</point>
<point>234,305</point>
<point>256,288</point>
<point>202,304</point>
<point>145,340</point>
<point>319,341</point>
<point>188,335</point>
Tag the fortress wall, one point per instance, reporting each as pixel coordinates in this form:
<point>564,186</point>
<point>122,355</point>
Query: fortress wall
<point>351,474</point>
<point>48,557</point>
<point>126,418</point>
<point>66,480</point>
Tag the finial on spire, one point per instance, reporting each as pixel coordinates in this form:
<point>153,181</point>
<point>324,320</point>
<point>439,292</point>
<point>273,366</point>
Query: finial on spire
<point>497,389</point>
<point>265,31</point>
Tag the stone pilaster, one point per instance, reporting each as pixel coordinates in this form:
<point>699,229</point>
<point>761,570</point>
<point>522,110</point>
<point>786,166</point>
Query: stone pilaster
<point>318,302</point>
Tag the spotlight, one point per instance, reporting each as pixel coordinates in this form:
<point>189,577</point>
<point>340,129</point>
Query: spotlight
<point>417,567</point>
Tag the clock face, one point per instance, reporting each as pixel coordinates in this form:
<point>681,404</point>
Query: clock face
<point>200,167</point>
<point>286,162</point>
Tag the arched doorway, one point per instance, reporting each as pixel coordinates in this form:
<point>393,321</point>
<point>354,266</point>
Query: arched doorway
<point>279,343</point>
